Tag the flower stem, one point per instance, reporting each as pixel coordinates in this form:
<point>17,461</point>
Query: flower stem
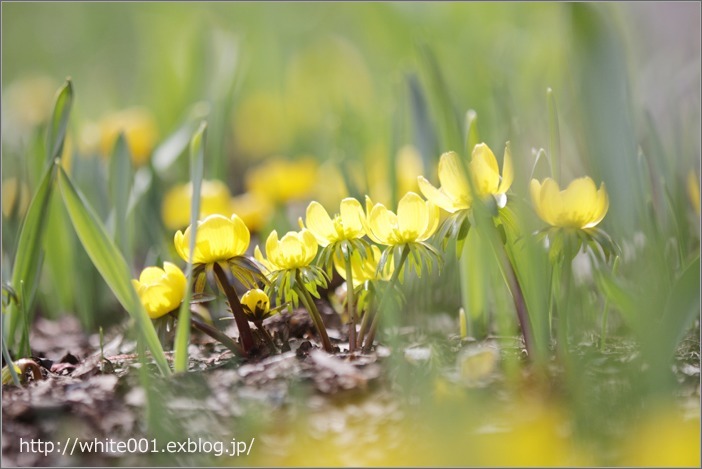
<point>241,322</point>
<point>391,285</point>
<point>266,336</point>
<point>314,313</point>
<point>217,335</point>
<point>350,304</point>
<point>370,312</point>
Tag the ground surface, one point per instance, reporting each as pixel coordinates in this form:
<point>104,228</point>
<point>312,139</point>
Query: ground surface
<point>88,398</point>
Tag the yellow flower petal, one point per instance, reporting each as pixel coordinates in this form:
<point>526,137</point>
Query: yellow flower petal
<point>320,224</point>
<point>601,207</point>
<point>433,221</point>
<point>412,216</point>
<point>310,246</point>
<point>160,290</point>
<point>453,178</point>
<point>507,171</point>
<point>439,197</point>
<point>483,166</point>
<point>382,224</point>
<point>535,191</point>
<point>580,205</point>
<point>218,238</point>
<point>352,216</point>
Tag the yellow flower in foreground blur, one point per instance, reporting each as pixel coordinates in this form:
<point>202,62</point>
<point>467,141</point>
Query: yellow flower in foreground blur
<point>218,239</point>
<point>280,181</point>
<point>416,220</point>
<point>580,206</point>
<point>160,290</point>
<point>214,199</point>
<point>15,197</point>
<point>664,439</point>
<point>292,251</point>
<point>348,224</point>
<point>253,209</point>
<point>139,128</point>
<point>693,191</point>
<point>363,269</point>
<point>455,192</point>
<point>256,304</point>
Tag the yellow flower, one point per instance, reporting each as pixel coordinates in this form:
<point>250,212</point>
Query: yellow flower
<point>363,269</point>
<point>256,304</point>
<point>348,224</point>
<point>252,208</point>
<point>139,128</point>
<point>214,199</point>
<point>693,191</point>
<point>580,206</point>
<point>261,127</point>
<point>160,290</point>
<point>455,193</point>
<point>292,251</point>
<point>416,220</point>
<point>218,239</point>
<point>279,180</point>
<point>663,439</point>
<point>14,193</point>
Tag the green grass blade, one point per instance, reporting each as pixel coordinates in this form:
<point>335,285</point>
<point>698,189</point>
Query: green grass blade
<point>59,122</point>
<point>29,255</point>
<point>197,159</point>
<point>472,137</point>
<point>110,263</point>
<point>554,149</point>
<point>120,185</point>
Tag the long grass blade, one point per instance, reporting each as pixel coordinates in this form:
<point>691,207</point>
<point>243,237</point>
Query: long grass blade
<point>197,158</point>
<point>110,263</point>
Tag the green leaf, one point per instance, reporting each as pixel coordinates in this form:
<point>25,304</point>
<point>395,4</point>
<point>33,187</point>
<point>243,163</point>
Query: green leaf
<point>554,148</point>
<point>110,263</point>
<point>120,182</point>
<point>29,255</point>
<point>197,158</point>
<point>472,136</point>
<point>683,303</point>
<point>59,122</point>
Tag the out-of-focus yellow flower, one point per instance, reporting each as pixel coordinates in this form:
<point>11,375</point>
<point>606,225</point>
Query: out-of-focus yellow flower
<point>7,374</point>
<point>218,239</point>
<point>15,195</point>
<point>139,128</point>
<point>256,304</point>
<point>280,180</point>
<point>693,191</point>
<point>260,125</point>
<point>253,209</point>
<point>664,439</point>
<point>348,224</point>
<point>364,269</point>
<point>408,167</point>
<point>455,192</point>
<point>324,78</point>
<point>416,220</point>
<point>579,206</point>
<point>28,101</point>
<point>214,199</point>
<point>330,187</point>
<point>160,290</point>
<point>292,251</point>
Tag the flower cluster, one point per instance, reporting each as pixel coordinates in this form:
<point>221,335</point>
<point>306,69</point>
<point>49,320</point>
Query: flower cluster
<point>367,247</point>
